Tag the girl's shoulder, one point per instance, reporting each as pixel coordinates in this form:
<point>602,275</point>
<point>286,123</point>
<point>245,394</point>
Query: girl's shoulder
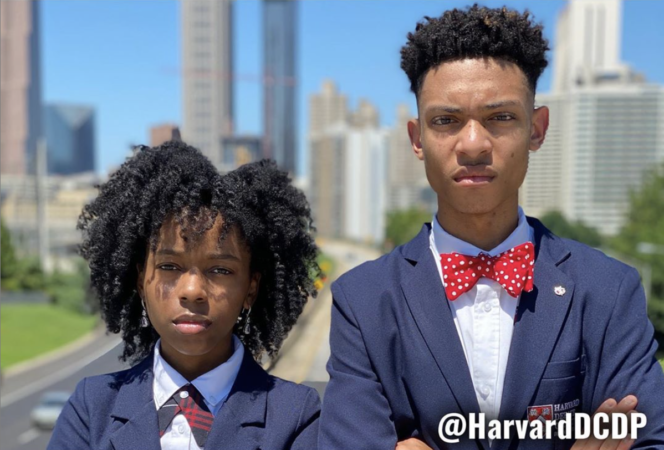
<point>104,389</point>
<point>275,386</point>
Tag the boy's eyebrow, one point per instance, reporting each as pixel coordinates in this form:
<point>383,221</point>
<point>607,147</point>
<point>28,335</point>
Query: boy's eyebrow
<point>456,109</point>
<point>501,104</point>
<point>443,108</point>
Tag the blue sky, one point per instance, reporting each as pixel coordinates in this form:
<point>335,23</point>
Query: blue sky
<point>123,56</point>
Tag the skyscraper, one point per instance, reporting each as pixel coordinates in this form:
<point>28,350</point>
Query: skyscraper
<point>20,89</point>
<point>587,44</point>
<point>328,118</point>
<point>407,185</point>
<point>348,186</point>
<point>606,123</point>
<point>207,57</point>
<point>70,138</point>
<point>326,108</point>
<point>279,70</point>
<point>162,133</point>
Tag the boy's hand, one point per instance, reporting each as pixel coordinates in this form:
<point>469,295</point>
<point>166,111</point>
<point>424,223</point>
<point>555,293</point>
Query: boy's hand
<point>626,406</point>
<point>412,444</point>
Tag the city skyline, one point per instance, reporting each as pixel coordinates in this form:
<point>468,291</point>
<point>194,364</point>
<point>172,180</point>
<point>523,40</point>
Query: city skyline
<point>129,102</point>
<point>605,125</point>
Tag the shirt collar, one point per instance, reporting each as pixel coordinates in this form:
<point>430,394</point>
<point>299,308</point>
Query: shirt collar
<point>443,242</point>
<point>214,385</point>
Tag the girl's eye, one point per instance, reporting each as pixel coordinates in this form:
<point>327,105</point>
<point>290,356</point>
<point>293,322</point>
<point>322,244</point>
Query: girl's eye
<point>167,267</point>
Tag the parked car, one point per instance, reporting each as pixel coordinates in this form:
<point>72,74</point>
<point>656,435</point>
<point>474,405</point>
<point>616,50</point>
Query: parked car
<point>49,408</point>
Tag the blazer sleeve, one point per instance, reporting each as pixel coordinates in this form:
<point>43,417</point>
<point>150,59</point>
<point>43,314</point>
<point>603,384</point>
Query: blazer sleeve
<point>307,429</point>
<point>71,430</point>
<point>627,363</point>
<point>356,413</point>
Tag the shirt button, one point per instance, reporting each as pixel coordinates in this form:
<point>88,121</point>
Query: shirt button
<point>184,394</point>
<point>485,391</point>
<point>181,429</point>
<point>487,307</point>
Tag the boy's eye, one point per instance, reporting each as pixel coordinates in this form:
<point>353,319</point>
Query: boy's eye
<point>504,117</point>
<point>222,271</point>
<point>167,267</point>
<point>442,121</point>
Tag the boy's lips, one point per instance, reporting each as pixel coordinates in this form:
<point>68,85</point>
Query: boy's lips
<point>473,180</point>
<point>191,324</point>
<point>468,176</point>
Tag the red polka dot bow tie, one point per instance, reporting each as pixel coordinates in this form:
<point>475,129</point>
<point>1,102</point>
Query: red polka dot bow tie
<point>513,269</point>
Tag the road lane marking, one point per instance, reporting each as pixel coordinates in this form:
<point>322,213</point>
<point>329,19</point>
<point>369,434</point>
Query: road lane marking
<point>28,436</point>
<point>60,375</point>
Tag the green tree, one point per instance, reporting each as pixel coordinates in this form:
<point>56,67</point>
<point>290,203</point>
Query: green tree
<point>403,225</point>
<point>9,263</point>
<point>578,231</point>
<point>645,224</point>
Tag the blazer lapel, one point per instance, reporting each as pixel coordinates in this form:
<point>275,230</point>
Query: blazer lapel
<point>241,421</point>
<point>540,317</point>
<point>426,299</point>
<point>135,411</point>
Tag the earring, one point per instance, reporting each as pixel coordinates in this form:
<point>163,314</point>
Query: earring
<point>247,326</point>
<point>145,322</point>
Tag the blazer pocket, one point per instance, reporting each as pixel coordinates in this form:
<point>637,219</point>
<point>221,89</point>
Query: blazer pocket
<point>562,369</point>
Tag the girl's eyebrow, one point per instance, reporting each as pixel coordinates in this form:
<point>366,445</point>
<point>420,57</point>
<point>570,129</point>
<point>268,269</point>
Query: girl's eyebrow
<point>171,252</point>
<point>222,256</point>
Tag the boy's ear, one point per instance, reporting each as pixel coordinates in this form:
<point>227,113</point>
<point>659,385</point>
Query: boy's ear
<point>540,124</point>
<point>254,286</point>
<point>415,135</point>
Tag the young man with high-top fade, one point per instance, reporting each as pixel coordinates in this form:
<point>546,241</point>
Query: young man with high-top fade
<point>485,310</point>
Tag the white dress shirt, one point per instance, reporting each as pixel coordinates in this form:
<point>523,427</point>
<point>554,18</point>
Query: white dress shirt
<point>214,386</point>
<point>483,316</point>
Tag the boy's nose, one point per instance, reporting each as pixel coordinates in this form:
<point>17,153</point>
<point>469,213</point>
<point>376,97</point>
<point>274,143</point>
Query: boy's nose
<point>473,140</point>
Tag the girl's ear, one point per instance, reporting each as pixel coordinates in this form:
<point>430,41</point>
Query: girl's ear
<point>252,295</point>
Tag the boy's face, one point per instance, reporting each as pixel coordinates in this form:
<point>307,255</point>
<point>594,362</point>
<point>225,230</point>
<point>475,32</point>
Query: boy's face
<point>194,292</point>
<point>475,128</point>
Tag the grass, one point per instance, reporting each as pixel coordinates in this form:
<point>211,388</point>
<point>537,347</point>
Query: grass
<point>30,330</point>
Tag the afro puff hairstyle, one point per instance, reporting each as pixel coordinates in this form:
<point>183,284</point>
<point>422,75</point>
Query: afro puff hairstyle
<point>175,180</point>
<point>477,32</point>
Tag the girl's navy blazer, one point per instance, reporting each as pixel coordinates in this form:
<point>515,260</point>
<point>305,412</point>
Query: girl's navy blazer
<point>117,412</point>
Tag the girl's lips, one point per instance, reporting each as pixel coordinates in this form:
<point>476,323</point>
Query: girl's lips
<point>190,327</point>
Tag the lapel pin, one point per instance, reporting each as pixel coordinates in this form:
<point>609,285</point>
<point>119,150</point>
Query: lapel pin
<point>559,290</point>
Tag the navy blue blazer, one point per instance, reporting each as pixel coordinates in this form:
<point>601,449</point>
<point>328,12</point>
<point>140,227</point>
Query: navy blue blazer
<point>397,365</point>
<point>117,411</point>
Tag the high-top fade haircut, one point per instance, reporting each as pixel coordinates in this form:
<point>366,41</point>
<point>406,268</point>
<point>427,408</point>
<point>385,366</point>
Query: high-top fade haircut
<point>476,32</point>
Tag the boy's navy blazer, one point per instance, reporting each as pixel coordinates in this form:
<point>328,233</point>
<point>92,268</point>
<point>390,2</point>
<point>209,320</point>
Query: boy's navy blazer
<point>117,412</point>
<point>397,365</point>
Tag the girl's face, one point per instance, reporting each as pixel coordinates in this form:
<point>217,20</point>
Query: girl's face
<point>194,292</point>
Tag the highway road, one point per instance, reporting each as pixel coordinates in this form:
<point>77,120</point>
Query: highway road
<point>21,393</point>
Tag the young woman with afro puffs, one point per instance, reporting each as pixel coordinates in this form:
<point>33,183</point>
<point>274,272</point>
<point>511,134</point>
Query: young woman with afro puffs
<point>202,274</point>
